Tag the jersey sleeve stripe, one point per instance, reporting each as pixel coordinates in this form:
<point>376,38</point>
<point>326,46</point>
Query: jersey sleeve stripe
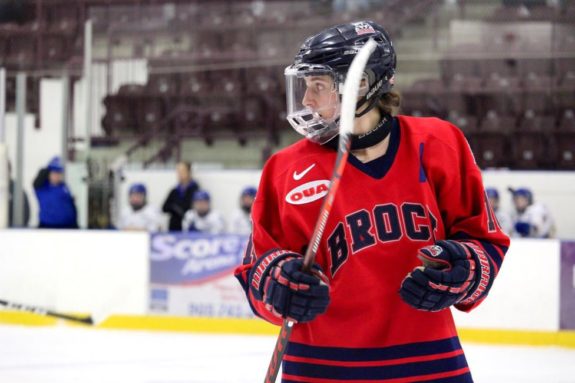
<point>374,354</point>
<point>379,373</point>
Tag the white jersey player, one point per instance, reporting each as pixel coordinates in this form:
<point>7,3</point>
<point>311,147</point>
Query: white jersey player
<point>503,216</point>
<point>201,218</point>
<point>241,221</point>
<point>531,220</point>
<point>139,215</point>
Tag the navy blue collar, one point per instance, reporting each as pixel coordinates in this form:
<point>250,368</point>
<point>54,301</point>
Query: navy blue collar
<point>379,167</point>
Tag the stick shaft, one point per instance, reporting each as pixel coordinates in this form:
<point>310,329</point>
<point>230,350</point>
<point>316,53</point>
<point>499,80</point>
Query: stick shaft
<point>42,311</point>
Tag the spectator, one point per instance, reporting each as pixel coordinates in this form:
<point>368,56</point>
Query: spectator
<point>140,215</point>
<point>25,206</point>
<point>503,217</point>
<point>530,219</point>
<point>57,208</point>
<point>180,198</point>
<point>201,218</point>
<point>241,222</point>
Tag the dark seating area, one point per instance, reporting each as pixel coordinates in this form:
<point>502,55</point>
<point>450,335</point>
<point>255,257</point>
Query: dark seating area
<point>239,103</point>
<point>513,94</point>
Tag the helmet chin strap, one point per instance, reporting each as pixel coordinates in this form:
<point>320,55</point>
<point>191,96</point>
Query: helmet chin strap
<point>368,139</point>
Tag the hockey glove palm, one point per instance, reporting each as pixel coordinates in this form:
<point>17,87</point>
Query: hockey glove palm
<point>288,292</point>
<point>448,276</point>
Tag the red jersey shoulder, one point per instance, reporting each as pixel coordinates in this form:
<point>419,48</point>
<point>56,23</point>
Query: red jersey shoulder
<point>432,129</point>
<point>293,156</point>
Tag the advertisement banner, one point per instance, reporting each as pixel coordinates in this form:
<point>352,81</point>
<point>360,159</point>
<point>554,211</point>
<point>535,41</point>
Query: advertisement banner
<point>567,294</point>
<point>191,274</point>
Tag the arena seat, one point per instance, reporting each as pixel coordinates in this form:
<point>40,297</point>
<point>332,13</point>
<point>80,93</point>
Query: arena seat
<point>227,83</point>
<point>426,97</point>
<point>451,67</point>
<point>467,124</point>
<point>502,94</point>
<point>120,117</point>
<point>530,150</point>
<point>54,49</point>
<point>150,110</point>
<point>21,52</point>
<point>567,120</point>
<point>491,149</point>
<point>500,68</point>
<point>63,20</point>
<point>194,84</point>
<point>495,123</point>
<point>163,85</point>
<point>564,148</point>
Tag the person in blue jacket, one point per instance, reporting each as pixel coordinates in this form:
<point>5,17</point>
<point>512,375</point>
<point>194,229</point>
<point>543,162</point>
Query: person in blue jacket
<point>57,208</point>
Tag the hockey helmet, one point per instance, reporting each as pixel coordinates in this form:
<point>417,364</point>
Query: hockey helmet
<point>330,53</point>
<point>138,188</point>
<point>249,191</point>
<point>201,195</point>
<point>492,193</point>
<point>523,192</point>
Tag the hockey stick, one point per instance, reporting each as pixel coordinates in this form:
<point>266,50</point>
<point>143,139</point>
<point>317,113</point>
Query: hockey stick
<point>87,320</point>
<point>348,107</point>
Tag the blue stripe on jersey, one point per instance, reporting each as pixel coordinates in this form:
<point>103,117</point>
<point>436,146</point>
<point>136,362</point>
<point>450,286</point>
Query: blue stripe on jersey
<point>373,354</point>
<point>422,175</point>
<point>405,370</point>
<point>465,378</point>
<point>489,247</point>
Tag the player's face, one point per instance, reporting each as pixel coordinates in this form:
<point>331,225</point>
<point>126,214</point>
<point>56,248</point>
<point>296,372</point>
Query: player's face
<point>201,206</point>
<point>137,200</point>
<point>246,201</point>
<point>321,96</point>
<point>183,173</point>
<point>494,202</point>
<point>520,202</point>
<point>56,178</point>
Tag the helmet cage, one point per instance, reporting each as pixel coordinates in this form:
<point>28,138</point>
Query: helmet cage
<point>305,120</point>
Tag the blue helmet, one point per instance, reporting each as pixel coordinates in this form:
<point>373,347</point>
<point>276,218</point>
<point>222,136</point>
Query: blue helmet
<point>201,195</point>
<point>56,165</point>
<point>522,192</point>
<point>138,188</point>
<point>250,191</point>
<point>492,193</point>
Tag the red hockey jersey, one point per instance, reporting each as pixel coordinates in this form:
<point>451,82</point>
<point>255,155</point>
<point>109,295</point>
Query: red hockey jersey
<point>427,187</point>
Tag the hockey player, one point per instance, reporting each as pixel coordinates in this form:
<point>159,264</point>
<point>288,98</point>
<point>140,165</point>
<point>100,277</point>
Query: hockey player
<point>503,217</point>
<point>241,221</point>
<point>531,219</point>
<point>201,218</point>
<point>57,206</point>
<point>410,234</point>
<point>140,215</point>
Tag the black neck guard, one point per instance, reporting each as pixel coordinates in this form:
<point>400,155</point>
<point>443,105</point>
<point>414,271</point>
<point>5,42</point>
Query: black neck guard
<point>366,140</point>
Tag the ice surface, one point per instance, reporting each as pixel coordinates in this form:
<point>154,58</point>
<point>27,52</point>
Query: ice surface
<point>84,355</point>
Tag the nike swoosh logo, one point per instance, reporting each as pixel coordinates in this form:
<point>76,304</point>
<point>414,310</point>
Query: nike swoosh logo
<point>298,176</point>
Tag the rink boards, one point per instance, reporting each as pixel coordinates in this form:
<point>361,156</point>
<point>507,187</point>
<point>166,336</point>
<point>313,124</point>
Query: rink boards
<point>532,301</point>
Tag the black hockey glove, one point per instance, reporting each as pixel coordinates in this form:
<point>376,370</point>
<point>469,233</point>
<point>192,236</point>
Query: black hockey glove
<point>449,275</point>
<point>277,280</point>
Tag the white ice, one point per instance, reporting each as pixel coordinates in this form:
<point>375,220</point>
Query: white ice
<point>84,355</point>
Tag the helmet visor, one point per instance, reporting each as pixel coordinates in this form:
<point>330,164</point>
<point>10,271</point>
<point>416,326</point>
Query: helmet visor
<point>313,101</point>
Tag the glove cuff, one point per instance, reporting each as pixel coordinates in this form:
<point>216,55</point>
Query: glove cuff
<point>261,269</point>
<point>484,275</point>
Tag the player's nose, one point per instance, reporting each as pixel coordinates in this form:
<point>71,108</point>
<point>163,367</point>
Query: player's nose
<point>308,100</point>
